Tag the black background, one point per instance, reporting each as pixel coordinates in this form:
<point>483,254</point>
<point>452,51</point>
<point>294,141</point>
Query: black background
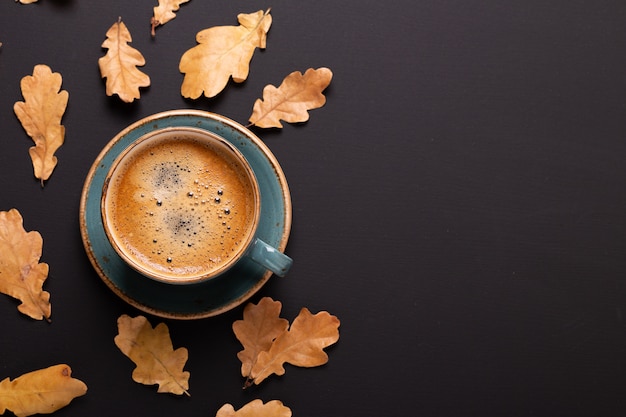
<point>459,203</point>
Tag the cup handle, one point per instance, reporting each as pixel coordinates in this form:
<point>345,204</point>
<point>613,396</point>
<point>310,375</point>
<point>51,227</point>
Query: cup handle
<point>269,257</point>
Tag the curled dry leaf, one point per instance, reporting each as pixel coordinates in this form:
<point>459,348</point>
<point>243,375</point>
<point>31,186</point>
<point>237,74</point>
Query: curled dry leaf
<point>291,100</point>
<point>164,12</point>
<point>223,51</point>
<point>40,114</point>
<point>302,345</point>
<point>268,342</point>
<point>21,274</point>
<point>256,408</point>
<point>261,324</point>
<point>152,351</point>
<point>119,65</point>
<point>40,392</point>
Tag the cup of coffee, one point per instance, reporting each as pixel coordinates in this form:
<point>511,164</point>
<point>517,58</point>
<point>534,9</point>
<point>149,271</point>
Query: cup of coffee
<point>181,205</point>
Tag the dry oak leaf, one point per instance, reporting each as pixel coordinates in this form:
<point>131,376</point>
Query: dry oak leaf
<point>21,275</point>
<point>291,100</point>
<point>302,345</point>
<point>256,408</point>
<point>164,12</point>
<point>40,114</point>
<point>152,351</point>
<point>40,392</point>
<point>261,324</point>
<point>119,65</point>
<point>223,51</point>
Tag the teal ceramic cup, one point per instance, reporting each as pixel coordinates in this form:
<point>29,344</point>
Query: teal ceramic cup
<point>181,205</point>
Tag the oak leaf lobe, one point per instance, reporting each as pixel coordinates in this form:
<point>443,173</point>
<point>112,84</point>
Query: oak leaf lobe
<point>256,408</point>
<point>164,12</point>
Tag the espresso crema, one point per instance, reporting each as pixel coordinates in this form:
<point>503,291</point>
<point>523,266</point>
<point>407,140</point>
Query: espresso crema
<point>180,206</point>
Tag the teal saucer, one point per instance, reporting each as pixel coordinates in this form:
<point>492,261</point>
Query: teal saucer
<point>197,300</point>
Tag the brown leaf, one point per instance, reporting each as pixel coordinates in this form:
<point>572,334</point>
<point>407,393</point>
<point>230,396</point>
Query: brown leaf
<point>119,65</point>
<point>256,408</point>
<point>152,351</point>
<point>223,51</point>
<point>21,274</point>
<point>40,114</point>
<point>302,345</point>
<point>40,392</point>
<point>164,12</point>
<point>261,324</point>
<point>291,100</point>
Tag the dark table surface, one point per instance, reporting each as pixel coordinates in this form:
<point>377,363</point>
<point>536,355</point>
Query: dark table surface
<point>459,203</point>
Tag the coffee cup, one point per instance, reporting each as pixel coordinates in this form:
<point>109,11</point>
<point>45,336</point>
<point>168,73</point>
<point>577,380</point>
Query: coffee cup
<point>181,206</point>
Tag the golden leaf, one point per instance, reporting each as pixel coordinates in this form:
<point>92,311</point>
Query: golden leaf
<point>40,114</point>
<point>164,12</point>
<point>152,351</point>
<point>261,324</point>
<point>302,345</point>
<point>119,65</point>
<point>21,274</point>
<point>40,392</point>
<point>256,408</point>
<point>223,51</point>
<point>28,1</point>
<point>291,100</point>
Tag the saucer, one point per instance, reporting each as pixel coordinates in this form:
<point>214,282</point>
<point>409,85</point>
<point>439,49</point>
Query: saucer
<point>211,297</point>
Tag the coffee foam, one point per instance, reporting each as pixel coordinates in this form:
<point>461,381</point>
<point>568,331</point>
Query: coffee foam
<point>180,207</point>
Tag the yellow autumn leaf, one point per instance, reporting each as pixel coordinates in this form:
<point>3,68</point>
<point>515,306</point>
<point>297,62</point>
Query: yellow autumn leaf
<point>40,392</point>
<point>223,51</point>
<point>256,408</point>
<point>292,99</point>
<point>302,345</point>
<point>164,12</point>
<point>119,65</point>
<point>152,351</point>
<point>21,275</point>
<point>261,324</point>
<point>40,114</point>
<point>28,1</point>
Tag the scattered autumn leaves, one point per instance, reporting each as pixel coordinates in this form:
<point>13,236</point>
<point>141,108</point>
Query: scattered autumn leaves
<point>269,341</point>
<point>222,53</point>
